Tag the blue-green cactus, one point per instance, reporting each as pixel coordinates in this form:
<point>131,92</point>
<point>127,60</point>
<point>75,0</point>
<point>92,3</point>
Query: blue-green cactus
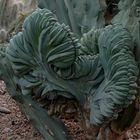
<point>119,87</point>
<point>80,15</point>
<point>53,52</point>
<point>46,58</point>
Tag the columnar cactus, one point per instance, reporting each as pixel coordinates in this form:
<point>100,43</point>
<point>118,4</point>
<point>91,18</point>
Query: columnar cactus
<point>9,12</point>
<point>3,35</point>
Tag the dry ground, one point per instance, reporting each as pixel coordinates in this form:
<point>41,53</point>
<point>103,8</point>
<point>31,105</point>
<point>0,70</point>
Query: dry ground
<point>15,126</point>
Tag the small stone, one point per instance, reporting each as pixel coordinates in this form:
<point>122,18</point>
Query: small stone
<point>7,130</point>
<point>4,110</point>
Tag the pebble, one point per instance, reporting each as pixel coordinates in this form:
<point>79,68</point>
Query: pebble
<point>7,130</point>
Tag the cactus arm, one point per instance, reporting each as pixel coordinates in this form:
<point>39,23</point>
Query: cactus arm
<point>129,11</point>
<point>50,128</point>
<point>63,10</point>
<point>119,87</point>
<point>2,6</point>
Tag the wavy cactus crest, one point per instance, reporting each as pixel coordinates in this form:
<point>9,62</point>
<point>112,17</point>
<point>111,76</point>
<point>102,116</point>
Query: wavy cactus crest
<point>130,12</point>
<point>55,47</point>
<point>120,68</point>
<point>46,60</point>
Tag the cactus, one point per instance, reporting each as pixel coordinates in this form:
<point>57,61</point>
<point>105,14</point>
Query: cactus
<point>9,12</point>
<point>60,65</point>
<point>3,35</point>
<point>80,15</point>
<point>49,59</point>
<point>32,4</point>
<point>130,13</point>
<point>117,60</point>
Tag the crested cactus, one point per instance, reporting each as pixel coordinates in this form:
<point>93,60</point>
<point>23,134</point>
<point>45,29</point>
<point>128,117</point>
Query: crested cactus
<point>49,59</point>
<point>119,87</point>
<point>130,13</point>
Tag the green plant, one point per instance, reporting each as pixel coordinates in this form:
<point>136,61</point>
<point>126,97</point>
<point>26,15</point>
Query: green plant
<point>9,12</point>
<point>3,35</point>
<point>79,15</point>
<point>130,13</point>
<point>48,60</point>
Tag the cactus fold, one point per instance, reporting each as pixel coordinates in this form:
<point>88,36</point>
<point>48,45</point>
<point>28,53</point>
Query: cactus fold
<point>130,13</point>
<point>119,87</point>
<point>46,59</point>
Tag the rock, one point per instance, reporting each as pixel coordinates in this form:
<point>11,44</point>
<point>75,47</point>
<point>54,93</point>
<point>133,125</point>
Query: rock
<point>7,130</point>
<point>4,110</point>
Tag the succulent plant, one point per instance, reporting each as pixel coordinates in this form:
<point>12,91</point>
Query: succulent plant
<point>51,57</point>
<point>9,12</point>
<point>3,35</point>
<point>65,64</point>
<point>79,15</point>
<point>119,86</point>
<point>130,13</point>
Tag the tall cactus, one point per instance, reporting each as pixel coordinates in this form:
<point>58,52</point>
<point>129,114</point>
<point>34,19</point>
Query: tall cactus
<point>3,35</point>
<point>46,60</point>
<point>9,12</point>
<point>80,15</point>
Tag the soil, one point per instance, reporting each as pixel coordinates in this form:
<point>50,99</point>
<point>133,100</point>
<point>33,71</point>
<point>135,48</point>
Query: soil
<point>15,126</point>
